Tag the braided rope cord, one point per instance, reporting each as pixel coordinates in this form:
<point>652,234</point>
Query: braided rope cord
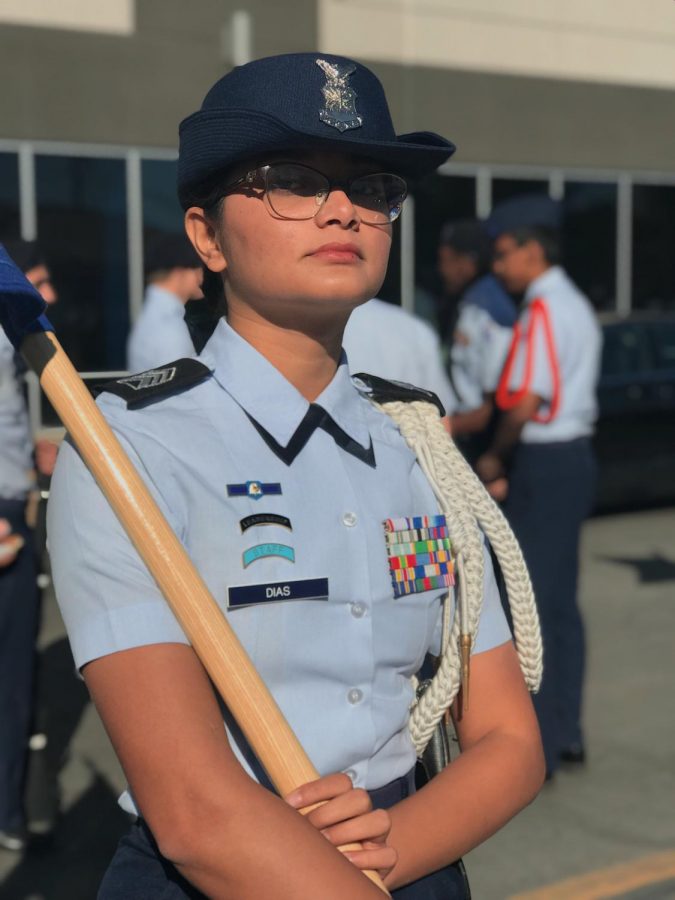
<point>470,513</point>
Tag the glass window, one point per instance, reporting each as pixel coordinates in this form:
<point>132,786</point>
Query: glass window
<point>664,339</point>
<point>626,349</point>
<point>505,188</point>
<point>82,227</point>
<point>653,244</point>
<point>589,240</point>
<point>438,199</point>
<point>9,196</point>
<point>162,213</point>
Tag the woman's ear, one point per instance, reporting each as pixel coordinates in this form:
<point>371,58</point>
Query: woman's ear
<point>204,239</point>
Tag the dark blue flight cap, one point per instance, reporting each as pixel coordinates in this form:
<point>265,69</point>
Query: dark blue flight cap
<point>298,101</point>
<point>525,211</point>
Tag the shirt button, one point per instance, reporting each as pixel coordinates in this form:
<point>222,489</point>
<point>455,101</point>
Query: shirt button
<point>351,774</point>
<point>355,696</point>
<point>349,519</point>
<point>358,610</point>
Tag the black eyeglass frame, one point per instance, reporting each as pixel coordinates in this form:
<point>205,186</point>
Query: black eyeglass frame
<point>344,185</point>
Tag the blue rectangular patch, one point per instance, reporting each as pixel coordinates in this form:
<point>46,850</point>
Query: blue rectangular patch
<point>277,591</point>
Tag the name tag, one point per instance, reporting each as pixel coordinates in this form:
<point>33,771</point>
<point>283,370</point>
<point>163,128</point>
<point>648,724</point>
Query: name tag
<point>277,591</point>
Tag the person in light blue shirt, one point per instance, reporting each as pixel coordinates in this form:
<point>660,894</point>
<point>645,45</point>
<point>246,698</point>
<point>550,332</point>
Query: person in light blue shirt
<point>298,501</point>
<point>385,340</point>
<point>542,444</point>
<point>174,276</point>
<point>19,599</point>
<point>486,315</point>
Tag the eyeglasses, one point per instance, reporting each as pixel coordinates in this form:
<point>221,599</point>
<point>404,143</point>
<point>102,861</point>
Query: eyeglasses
<point>296,191</point>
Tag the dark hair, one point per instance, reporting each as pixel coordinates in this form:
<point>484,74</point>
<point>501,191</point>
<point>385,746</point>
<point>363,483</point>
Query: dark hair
<point>547,238</point>
<point>468,237</point>
<point>166,252</point>
<point>26,254</point>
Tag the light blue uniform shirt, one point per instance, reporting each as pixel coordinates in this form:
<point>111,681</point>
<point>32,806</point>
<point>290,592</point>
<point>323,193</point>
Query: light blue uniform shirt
<point>385,340</point>
<point>16,446</point>
<point>481,341</point>
<point>160,335</point>
<point>338,665</point>
<point>578,345</point>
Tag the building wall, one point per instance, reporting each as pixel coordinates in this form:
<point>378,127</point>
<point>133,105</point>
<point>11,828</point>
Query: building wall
<point>574,84</point>
<point>615,41</point>
<point>132,88</point>
<point>534,121</point>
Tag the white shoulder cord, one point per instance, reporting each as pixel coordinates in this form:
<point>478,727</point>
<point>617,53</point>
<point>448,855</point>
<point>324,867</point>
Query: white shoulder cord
<point>470,513</point>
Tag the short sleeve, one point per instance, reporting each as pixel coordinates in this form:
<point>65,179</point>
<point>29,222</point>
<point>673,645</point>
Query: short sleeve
<point>107,597</point>
<point>493,629</point>
<point>494,349</point>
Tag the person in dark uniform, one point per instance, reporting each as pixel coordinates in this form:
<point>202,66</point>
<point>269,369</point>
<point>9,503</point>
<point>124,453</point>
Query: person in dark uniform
<point>311,521</point>
<point>547,393</point>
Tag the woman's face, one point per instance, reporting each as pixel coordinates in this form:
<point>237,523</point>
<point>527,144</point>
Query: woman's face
<point>311,267</point>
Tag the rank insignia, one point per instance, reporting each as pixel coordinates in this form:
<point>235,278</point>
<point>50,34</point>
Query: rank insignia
<point>260,551</point>
<point>254,489</point>
<point>339,110</point>
<point>419,552</point>
<point>151,379</point>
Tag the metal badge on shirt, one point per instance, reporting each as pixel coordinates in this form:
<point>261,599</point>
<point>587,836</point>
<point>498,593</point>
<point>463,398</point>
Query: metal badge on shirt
<point>419,553</point>
<point>256,490</point>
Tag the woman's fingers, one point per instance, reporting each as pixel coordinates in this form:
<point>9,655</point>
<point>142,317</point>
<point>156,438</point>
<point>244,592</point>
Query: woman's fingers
<point>374,826</point>
<point>355,803</point>
<point>319,791</point>
<point>344,815</point>
<point>379,858</point>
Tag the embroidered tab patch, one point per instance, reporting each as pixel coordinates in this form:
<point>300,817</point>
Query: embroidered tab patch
<point>256,490</point>
<point>264,519</point>
<point>419,553</point>
<point>277,591</point>
<point>260,551</point>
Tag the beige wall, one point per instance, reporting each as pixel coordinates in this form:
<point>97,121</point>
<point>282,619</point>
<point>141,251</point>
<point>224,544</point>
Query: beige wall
<point>629,42</point>
<point>108,17</point>
<point>69,85</point>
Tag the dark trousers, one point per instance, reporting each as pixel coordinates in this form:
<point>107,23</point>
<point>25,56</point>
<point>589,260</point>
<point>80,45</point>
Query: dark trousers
<point>551,491</point>
<point>138,871</point>
<point>18,624</point>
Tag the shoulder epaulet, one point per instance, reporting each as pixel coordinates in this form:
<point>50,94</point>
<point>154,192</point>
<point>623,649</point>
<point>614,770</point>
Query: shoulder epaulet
<point>383,391</point>
<point>144,387</point>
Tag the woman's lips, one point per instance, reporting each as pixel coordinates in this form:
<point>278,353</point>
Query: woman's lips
<point>337,252</point>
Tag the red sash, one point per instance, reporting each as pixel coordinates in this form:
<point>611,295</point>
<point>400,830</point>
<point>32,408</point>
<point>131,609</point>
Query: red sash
<point>507,399</point>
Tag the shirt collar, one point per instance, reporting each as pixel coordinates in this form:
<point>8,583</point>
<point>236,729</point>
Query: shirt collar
<point>543,283</point>
<point>263,392</point>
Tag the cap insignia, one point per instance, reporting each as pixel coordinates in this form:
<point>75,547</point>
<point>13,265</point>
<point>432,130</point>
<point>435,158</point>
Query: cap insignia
<point>339,110</point>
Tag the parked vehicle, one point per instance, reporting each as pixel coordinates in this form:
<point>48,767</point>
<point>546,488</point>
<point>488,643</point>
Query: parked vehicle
<point>635,438</point>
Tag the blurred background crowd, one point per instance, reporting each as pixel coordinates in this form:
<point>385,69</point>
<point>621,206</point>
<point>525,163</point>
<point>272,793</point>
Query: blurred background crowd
<point>563,116</point>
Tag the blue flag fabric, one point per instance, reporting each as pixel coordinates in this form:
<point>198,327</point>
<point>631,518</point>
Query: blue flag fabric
<point>21,306</point>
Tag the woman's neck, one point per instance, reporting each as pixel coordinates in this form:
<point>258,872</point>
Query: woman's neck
<point>307,358</point>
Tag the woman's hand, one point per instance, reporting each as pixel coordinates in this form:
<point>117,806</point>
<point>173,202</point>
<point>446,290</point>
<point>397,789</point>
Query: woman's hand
<point>345,815</point>
<point>10,544</point>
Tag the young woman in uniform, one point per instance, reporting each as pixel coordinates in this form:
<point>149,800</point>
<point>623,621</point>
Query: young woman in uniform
<point>297,498</point>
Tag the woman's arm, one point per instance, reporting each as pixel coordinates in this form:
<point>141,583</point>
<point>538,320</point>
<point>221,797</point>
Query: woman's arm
<point>226,834</point>
<point>500,770</point>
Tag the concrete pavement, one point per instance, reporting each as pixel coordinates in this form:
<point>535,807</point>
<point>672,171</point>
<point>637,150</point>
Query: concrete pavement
<point>607,830</point>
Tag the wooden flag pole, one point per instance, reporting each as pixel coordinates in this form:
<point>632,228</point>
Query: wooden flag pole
<point>207,629</point>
